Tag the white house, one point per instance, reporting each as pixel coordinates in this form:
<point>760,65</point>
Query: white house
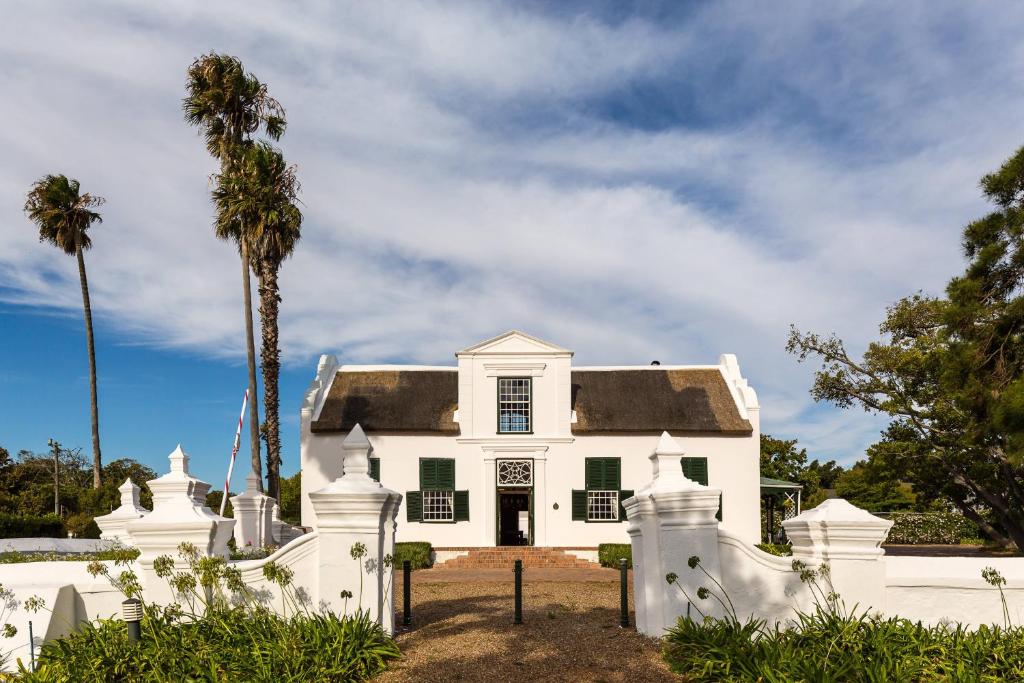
<point>516,446</point>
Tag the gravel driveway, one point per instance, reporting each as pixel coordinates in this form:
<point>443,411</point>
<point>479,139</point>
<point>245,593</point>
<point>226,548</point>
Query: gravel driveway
<point>462,631</point>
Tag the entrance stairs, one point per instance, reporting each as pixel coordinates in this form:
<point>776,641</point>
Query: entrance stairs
<point>504,557</point>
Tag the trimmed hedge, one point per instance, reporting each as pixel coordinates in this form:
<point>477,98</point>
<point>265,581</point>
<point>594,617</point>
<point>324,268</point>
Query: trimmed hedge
<point>608,554</point>
<point>41,526</point>
<point>417,552</point>
<point>946,528</point>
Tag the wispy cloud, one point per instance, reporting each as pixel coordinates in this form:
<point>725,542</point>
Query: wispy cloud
<point>635,187</point>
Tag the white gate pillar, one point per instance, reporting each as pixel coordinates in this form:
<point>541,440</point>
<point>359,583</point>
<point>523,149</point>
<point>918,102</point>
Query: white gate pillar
<point>253,512</point>
<point>670,520</point>
<point>849,539</point>
<point>177,517</point>
<point>114,526</point>
<point>354,512</point>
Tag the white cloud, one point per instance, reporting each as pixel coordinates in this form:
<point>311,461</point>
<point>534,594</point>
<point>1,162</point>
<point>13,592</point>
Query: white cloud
<point>460,177</point>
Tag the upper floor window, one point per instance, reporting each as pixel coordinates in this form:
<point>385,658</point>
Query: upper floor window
<point>514,404</point>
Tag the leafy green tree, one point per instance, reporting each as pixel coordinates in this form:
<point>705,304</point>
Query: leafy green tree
<point>291,499</point>
<point>783,459</point>
<point>229,106</point>
<point>862,486</point>
<point>257,203</point>
<point>950,373</point>
<point>64,214</point>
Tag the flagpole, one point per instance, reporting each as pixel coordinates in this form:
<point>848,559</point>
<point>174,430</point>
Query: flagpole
<point>234,452</point>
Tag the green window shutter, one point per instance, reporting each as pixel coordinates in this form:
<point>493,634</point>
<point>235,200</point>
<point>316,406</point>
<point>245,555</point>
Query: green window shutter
<point>695,469</point>
<point>413,506</point>
<point>612,474</point>
<point>375,469</point>
<point>428,474</point>
<point>437,474</point>
<point>623,495</point>
<point>579,506</point>
<point>603,474</point>
<point>446,473</point>
<point>595,473</point>
<point>462,506</point>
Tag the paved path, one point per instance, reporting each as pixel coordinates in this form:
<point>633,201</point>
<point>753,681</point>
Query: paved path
<point>462,629</point>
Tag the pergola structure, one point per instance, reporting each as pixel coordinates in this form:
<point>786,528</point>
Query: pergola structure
<point>775,490</point>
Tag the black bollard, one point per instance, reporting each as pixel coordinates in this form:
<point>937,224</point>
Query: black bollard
<point>623,595</point>
<point>31,647</point>
<point>518,570</point>
<point>406,593</point>
<point>131,612</point>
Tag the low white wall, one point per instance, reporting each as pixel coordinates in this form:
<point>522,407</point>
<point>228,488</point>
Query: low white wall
<point>936,590</point>
<point>71,596</point>
<point>758,583</point>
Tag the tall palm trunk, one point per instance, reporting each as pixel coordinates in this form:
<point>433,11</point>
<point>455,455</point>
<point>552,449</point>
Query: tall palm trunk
<point>271,357</point>
<point>250,347</point>
<point>97,462</point>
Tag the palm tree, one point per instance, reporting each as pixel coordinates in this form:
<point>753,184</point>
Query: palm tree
<point>259,196</point>
<point>64,216</point>
<point>228,106</point>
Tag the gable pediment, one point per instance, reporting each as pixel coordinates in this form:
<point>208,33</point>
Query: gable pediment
<point>514,343</point>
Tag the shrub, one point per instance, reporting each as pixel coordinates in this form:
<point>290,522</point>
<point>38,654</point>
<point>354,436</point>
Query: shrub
<point>39,526</point>
<point>946,528</point>
<point>777,549</point>
<point>82,525</point>
<point>417,552</point>
<point>833,643</point>
<point>223,632</point>
<point>13,557</point>
<point>608,554</point>
<point>825,646</point>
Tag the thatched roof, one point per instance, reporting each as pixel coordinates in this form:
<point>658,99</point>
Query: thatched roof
<point>641,400</point>
<point>653,400</point>
<point>391,400</point>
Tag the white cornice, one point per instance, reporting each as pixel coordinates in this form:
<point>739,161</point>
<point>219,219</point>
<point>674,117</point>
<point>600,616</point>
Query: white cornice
<point>513,368</point>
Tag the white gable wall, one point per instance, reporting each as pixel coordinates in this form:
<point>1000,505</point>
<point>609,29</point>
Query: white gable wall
<point>559,456</point>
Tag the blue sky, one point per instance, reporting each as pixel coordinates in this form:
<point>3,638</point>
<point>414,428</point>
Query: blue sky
<point>668,181</point>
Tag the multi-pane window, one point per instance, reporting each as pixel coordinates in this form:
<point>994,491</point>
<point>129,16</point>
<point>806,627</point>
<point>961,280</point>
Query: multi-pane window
<point>437,500</point>
<point>602,506</point>
<point>601,499</point>
<point>514,404</point>
<point>438,506</point>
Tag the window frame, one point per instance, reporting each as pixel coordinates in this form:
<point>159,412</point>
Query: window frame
<point>450,493</point>
<point>497,393</point>
<point>614,505</point>
<point>617,491</point>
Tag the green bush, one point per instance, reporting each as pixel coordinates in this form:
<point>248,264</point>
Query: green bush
<point>223,631</point>
<point>825,646</point>
<point>225,645</point>
<point>608,554</point>
<point>39,526</point>
<point>13,557</point>
<point>947,528</point>
<point>417,552</point>
<point>777,549</point>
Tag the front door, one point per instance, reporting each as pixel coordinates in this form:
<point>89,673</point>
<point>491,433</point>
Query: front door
<point>514,517</point>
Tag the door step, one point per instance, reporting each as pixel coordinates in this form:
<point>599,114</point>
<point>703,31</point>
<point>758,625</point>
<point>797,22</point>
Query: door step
<point>504,557</point>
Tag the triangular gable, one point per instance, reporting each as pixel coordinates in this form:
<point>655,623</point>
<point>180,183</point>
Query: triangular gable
<point>513,342</point>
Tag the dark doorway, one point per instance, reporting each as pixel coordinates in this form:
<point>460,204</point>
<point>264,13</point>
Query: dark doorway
<point>514,518</point>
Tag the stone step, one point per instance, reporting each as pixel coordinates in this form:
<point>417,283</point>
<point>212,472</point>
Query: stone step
<point>505,557</point>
